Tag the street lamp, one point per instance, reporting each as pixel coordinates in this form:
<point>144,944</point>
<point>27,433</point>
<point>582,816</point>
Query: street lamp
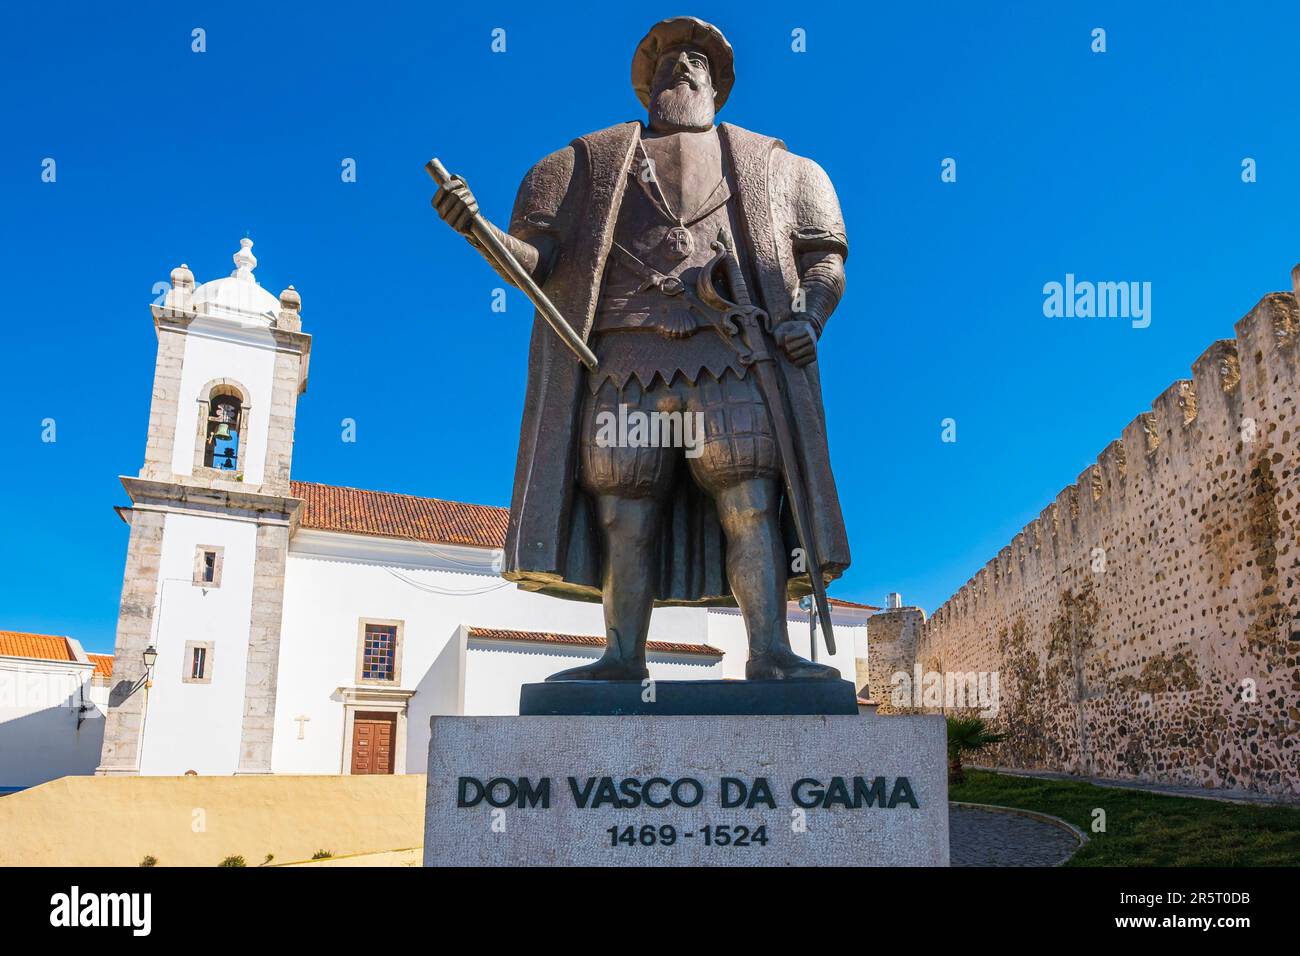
<point>150,658</point>
<point>806,604</point>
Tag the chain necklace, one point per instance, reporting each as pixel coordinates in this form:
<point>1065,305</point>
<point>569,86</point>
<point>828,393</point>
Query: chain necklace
<point>678,241</point>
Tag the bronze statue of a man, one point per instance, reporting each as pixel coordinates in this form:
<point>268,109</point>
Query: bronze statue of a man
<point>616,229</point>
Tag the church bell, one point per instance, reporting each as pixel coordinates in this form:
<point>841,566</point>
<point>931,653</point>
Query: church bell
<point>225,414</point>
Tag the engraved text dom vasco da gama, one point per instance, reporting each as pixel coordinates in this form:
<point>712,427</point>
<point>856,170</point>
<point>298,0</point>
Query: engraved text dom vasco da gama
<point>591,793</point>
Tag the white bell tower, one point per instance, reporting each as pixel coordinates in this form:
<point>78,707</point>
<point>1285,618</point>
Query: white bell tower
<point>210,519</point>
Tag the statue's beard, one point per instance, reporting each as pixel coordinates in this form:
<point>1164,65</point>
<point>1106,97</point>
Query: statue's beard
<point>682,106</point>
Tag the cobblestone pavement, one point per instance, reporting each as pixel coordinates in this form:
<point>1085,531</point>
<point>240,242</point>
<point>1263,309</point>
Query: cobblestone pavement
<point>993,838</point>
<point>1173,790</point>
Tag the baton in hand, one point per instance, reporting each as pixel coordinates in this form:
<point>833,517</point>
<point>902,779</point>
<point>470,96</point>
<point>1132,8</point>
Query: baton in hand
<point>484,232</point>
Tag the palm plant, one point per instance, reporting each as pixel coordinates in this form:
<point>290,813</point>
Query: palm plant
<point>967,735</point>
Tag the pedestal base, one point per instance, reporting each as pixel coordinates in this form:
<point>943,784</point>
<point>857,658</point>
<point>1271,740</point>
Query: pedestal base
<point>687,791</point>
<point>677,698</point>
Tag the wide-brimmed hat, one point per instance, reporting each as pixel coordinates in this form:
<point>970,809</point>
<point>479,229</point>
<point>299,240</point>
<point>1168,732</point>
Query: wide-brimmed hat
<point>684,31</point>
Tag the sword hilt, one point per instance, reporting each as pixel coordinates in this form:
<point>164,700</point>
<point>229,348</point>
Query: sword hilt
<point>735,275</point>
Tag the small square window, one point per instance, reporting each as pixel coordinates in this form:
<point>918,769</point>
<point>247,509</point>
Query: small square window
<point>208,559</point>
<point>198,662</point>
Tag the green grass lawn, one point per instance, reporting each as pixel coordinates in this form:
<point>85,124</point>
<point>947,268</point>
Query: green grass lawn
<point>1147,829</point>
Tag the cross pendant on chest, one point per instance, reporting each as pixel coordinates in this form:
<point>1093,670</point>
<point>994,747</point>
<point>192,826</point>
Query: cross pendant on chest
<point>678,241</point>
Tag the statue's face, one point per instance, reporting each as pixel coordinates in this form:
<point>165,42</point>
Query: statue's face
<point>681,95</point>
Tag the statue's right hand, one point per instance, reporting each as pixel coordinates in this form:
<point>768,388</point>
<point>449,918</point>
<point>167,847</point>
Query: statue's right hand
<point>456,205</point>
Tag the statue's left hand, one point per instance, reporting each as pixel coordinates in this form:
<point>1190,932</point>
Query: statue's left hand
<point>798,340</point>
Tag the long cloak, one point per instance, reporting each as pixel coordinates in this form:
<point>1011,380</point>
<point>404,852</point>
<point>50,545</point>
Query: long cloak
<point>787,206</point>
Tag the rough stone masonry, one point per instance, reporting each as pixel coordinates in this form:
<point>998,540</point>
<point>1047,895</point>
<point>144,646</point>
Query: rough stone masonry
<point>1147,624</point>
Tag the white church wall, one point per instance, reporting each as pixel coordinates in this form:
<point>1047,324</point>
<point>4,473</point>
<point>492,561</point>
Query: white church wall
<point>849,637</point>
<point>97,694</point>
<point>215,349</point>
<point>192,726</point>
<point>860,642</point>
<point>334,581</point>
<point>726,631</point>
<point>497,669</point>
<point>40,740</point>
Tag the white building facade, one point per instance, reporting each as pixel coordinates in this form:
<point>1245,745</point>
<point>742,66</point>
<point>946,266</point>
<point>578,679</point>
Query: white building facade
<point>53,698</point>
<point>313,629</point>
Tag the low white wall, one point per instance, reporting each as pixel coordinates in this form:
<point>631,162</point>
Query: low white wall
<point>40,703</point>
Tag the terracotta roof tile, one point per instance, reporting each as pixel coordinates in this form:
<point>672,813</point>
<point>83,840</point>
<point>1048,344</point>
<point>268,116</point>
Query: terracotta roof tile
<point>587,640</point>
<point>45,647</point>
<point>390,515</point>
<point>103,665</point>
<point>866,607</point>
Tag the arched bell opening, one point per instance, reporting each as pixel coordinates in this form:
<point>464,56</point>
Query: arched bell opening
<point>222,451</point>
<point>220,441</point>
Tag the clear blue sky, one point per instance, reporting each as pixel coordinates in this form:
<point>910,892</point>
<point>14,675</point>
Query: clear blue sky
<point>1117,166</point>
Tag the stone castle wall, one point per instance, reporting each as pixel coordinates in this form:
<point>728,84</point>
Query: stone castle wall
<point>1147,624</point>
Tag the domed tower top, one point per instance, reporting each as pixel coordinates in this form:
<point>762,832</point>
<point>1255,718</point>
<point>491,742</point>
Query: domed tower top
<point>238,296</point>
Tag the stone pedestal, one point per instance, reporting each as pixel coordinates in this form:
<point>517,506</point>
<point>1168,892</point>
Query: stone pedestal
<point>682,698</point>
<point>687,791</point>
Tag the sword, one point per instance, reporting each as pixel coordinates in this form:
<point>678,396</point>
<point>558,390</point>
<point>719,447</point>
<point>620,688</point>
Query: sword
<point>752,325</point>
<point>483,232</point>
